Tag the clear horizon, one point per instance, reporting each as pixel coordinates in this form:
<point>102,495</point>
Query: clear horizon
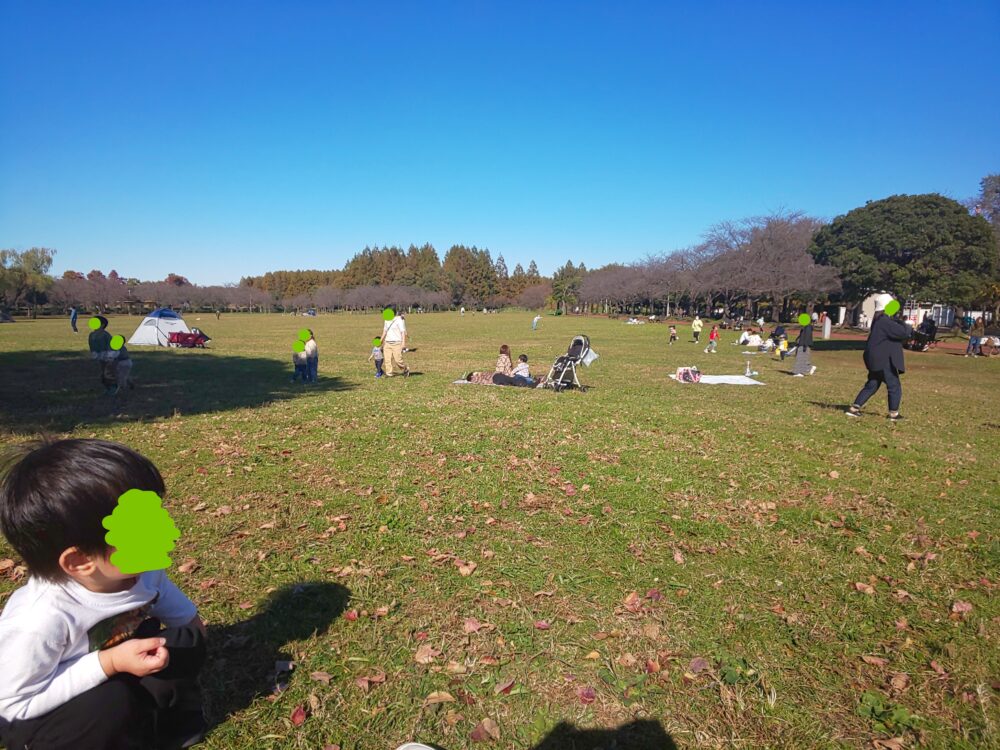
<point>198,139</point>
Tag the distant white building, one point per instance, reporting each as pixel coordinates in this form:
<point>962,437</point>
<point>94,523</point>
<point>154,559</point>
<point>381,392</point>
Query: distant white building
<point>914,311</point>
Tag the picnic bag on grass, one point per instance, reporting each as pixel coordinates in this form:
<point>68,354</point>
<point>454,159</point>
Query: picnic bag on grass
<point>688,375</point>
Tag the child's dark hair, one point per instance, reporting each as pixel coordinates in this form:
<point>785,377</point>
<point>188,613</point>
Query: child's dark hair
<point>522,357</point>
<point>54,495</point>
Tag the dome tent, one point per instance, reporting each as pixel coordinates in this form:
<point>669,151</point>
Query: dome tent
<point>155,329</point>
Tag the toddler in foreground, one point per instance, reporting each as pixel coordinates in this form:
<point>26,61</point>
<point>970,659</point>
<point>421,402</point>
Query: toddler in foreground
<point>92,657</point>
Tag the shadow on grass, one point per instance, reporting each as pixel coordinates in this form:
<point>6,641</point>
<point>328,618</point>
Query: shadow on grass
<point>55,391</point>
<point>830,407</point>
<point>641,734</point>
<point>840,345</point>
<point>241,657</point>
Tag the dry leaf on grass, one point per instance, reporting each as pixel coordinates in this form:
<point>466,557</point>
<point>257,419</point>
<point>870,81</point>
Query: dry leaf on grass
<point>875,661</point>
<point>323,677</point>
<point>485,731</point>
<point>426,653</point>
<point>185,567</point>
<point>471,625</point>
<point>698,664</point>
<point>465,568</point>
<point>542,625</point>
<point>586,694</point>
<point>298,715</point>
<point>504,688</point>
<point>864,588</point>
<point>438,696</point>
<point>899,682</point>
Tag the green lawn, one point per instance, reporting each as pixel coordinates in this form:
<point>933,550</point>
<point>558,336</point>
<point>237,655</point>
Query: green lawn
<point>736,567</point>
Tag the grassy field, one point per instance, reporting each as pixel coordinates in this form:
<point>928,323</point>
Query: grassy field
<point>713,566</point>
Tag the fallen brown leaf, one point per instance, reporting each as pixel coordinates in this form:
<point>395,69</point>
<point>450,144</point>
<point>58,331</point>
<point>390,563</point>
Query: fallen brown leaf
<point>426,653</point>
<point>485,731</point>
<point>438,696</point>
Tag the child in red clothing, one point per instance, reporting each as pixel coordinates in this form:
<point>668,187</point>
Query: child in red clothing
<point>713,340</point>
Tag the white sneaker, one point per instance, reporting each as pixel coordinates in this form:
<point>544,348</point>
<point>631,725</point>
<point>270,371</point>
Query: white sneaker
<point>798,375</point>
<point>414,746</point>
<point>812,370</point>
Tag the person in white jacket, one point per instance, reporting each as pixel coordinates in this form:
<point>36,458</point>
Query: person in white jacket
<point>312,358</point>
<point>85,661</point>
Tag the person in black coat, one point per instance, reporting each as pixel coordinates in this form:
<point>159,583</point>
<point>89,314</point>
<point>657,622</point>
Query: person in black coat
<point>803,365</point>
<point>884,359</point>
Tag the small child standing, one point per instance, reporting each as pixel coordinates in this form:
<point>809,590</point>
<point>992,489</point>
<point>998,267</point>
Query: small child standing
<point>673,335</point>
<point>378,356</point>
<point>521,373</point>
<point>300,361</point>
<point>713,341</point>
<point>86,663</point>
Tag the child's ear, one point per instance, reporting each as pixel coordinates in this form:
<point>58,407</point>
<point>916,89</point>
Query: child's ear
<point>74,563</point>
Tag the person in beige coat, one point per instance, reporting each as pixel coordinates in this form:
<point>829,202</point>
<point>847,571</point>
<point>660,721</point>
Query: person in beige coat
<point>393,343</point>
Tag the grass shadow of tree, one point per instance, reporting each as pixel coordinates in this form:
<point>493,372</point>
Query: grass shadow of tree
<point>56,391</point>
<point>241,657</point>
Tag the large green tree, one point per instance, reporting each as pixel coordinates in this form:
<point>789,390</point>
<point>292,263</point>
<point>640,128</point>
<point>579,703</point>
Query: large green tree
<point>914,246</point>
<point>24,276</point>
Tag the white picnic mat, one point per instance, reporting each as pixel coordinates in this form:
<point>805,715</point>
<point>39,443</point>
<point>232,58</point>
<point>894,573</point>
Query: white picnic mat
<point>726,380</point>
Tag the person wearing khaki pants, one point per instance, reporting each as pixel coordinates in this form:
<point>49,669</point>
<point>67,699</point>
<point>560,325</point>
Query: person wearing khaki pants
<point>393,342</point>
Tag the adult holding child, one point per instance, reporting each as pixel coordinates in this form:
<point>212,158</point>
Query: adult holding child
<point>101,352</point>
<point>393,342</point>
<point>884,356</point>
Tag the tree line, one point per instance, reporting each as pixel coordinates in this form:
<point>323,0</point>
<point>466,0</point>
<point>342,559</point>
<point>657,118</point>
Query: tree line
<point>924,247</point>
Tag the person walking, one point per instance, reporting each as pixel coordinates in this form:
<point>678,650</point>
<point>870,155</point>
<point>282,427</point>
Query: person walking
<point>883,358</point>
<point>393,343</point>
<point>72,319</point>
<point>534,322</point>
<point>803,344</point>
<point>713,341</point>
<point>696,326</point>
<point>976,333</point>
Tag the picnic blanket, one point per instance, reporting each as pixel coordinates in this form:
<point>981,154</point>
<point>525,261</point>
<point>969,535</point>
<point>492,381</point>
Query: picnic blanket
<point>726,380</point>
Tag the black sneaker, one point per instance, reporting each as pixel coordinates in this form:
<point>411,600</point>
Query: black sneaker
<point>895,418</point>
<point>852,412</point>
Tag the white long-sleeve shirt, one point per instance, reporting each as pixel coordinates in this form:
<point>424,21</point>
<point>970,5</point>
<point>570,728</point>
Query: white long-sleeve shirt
<point>50,634</point>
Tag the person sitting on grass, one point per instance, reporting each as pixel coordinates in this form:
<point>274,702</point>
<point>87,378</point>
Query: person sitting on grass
<point>85,662</point>
<point>503,373</point>
<point>504,365</point>
<point>521,372</point>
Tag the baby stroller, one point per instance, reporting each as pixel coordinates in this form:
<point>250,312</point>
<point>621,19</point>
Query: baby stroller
<point>562,375</point>
<point>188,340</point>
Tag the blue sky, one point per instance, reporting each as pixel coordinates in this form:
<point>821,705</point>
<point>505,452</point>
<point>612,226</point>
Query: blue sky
<point>219,139</point>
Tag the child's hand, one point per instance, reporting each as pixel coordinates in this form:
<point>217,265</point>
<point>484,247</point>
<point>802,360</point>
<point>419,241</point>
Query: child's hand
<point>139,656</point>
